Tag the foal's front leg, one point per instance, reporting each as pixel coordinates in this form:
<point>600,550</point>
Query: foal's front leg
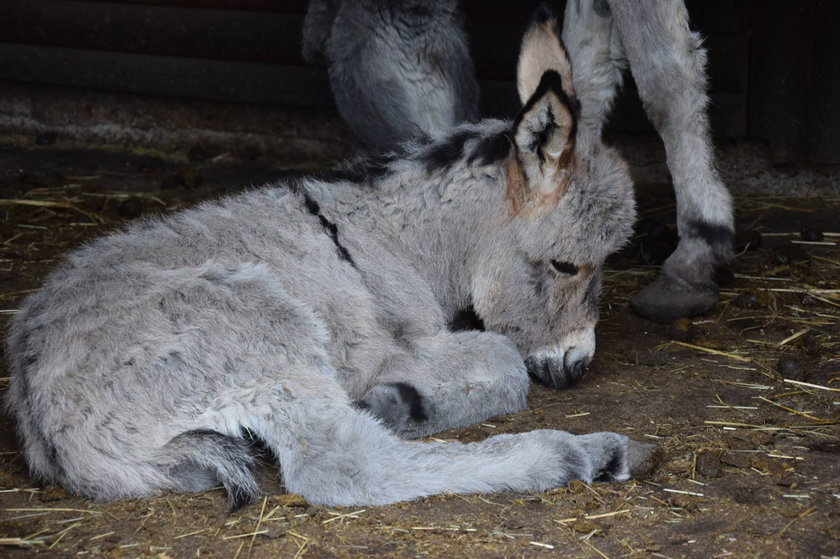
<point>448,380</point>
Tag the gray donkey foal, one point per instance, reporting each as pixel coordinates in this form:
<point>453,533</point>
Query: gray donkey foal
<point>398,68</point>
<point>312,316</point>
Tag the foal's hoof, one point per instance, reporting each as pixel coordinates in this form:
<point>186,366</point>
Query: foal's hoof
<point>642,459</point>
<point>669,298</point>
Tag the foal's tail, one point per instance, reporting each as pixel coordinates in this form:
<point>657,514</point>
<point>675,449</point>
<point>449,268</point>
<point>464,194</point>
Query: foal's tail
<point>200,459</point>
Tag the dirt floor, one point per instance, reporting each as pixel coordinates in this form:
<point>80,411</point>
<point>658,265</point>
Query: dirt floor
<point>744,402</point>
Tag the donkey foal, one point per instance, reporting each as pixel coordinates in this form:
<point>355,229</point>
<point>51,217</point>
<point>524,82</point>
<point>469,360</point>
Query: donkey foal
<point>312,315</point>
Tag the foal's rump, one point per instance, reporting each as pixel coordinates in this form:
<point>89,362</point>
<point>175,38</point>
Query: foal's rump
<point>105,391</point>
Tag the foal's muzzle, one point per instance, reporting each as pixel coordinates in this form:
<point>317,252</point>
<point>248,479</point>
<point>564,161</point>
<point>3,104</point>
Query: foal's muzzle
<point>563,364</point>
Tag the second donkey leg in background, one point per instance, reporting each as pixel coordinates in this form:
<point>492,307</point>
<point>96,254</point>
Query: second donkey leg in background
<point>667,62</point>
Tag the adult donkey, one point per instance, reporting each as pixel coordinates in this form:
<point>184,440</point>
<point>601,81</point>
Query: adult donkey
<point>312,316</point>
<point>410,59</point>
<point>398,68</point>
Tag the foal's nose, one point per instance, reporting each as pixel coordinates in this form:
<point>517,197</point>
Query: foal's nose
<point>563,364</point>
<point>556,371</point>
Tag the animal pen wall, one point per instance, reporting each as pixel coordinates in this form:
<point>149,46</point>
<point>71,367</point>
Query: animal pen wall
<point>774,64</point>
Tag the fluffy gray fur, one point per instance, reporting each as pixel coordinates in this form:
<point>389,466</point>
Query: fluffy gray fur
<point>312,315</point>
<point>667,61</point>
<point>398,68</point>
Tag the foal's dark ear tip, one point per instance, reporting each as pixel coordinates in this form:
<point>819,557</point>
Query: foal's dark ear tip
<point>543,13</point>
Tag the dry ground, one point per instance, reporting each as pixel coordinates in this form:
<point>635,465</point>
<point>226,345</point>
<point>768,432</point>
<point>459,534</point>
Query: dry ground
<point>749,455</point>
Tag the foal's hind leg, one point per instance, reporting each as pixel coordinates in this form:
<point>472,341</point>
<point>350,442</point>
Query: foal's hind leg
<point>333,454</point>
<point>667,62</point>
<point>449,380</point>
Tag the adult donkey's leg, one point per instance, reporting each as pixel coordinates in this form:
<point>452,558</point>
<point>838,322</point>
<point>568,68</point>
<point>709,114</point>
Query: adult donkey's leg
<point>667,62</point>
<point>448,380</point>
<point>597,58</point>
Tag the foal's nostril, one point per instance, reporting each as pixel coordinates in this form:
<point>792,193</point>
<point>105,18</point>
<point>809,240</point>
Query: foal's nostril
<point>540,368</point>
<point>547,370</point>
<point>575,370</point>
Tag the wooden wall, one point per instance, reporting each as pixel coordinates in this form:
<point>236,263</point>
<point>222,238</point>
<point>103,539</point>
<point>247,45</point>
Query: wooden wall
<point>248,51</point>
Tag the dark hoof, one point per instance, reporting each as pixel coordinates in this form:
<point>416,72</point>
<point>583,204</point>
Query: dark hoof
<point>642,459</point>
<point>668,299</point>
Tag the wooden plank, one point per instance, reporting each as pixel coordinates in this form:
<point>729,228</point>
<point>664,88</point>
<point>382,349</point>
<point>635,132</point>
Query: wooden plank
<point>495,49</point>
<point>719,15</point>
<point>265,37</point>
<point>492,11</point>
<point>498,99</point>
<point>143,29</point>
<point>823,133</point>
<point>728,61</point>
<point>281,6</point>
<point>220,80</point>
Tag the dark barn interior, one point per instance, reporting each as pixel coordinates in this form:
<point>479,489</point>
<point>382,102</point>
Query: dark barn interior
<point>115,110</point>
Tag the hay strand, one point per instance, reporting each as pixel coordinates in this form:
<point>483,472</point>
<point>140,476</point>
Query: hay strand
<point>710,350</point>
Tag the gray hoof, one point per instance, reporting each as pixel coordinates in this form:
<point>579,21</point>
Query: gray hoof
<point>669,298</point>
<point>642,459</point>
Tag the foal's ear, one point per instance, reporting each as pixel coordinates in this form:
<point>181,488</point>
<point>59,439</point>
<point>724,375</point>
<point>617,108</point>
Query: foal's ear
<point>542,50</point>
<point>544,131</point>
<point>544,135</point>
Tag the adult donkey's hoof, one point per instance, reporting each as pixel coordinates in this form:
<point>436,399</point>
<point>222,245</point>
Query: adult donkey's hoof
<point>669,298</point>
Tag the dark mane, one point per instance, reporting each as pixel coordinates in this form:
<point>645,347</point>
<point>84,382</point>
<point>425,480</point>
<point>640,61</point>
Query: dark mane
<point>364,170</point>
<point>368,169</point>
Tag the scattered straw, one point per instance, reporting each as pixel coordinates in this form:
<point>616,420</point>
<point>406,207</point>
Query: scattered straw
<point>51,204</point>
<point>784,457</point>
<point>246,535</point>
<point>821,243</point>
<point>801,516</point>
<point>797,412</point>
<point>694,493</point>
<point>301,546</point>
<point>765,427</point>
<point>19,542</point>
<point>257,528</point>
<point>45,509</point>
<point>606,514</point>
<point>342,516</point>
<point>595,549</point>
<point>728,407</point>
<point>592,516</point>
<point>794,336</point>
<point>809,385</point>
<point>809,290</point>
<point>543,545</point>
<point>193,533</point>
<point>62,534</point>
<point>710,350</point>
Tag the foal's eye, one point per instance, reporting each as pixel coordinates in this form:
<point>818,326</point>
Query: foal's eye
<point>564,267</point>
